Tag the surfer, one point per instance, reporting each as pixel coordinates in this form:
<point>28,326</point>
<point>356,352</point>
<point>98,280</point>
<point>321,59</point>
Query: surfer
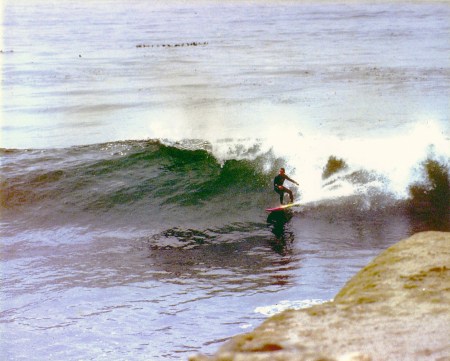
<point>278,185</point>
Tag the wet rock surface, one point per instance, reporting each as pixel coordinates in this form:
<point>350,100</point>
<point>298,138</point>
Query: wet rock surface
<point>395,308</point>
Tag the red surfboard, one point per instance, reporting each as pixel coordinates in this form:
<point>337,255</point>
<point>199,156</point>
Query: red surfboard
<point>282,207</point>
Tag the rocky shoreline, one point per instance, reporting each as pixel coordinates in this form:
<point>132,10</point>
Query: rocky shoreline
<point>395,308</point>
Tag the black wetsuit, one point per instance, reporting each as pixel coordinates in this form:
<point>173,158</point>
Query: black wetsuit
<point>278,181</point>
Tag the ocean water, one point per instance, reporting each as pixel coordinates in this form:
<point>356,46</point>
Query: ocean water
<point>139,141</point>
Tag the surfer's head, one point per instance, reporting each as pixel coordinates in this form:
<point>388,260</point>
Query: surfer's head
<point>282,171</point>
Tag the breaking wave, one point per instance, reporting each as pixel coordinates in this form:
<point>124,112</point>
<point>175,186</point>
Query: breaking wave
<point>198,182</point>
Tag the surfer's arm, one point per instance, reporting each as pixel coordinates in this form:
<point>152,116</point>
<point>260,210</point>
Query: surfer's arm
<point>291,180</point>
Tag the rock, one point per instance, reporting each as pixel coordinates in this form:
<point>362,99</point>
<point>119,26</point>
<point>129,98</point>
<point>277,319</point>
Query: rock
<point>395,308</point>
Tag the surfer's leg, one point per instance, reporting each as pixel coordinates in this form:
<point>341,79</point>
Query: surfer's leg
<point>291,196</point>
<point>281,193</point>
